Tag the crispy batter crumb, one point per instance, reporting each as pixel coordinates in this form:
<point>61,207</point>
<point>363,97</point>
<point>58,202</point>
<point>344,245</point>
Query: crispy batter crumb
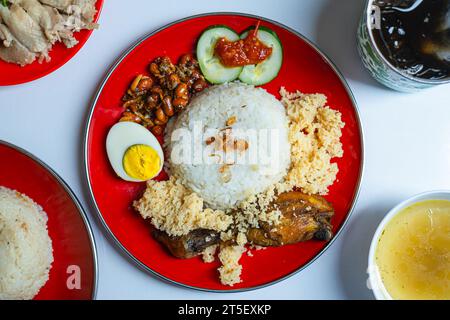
<point>177,211</point>
<point>315,131</point>
<point>241,239</point>
<point>209,254</point>
<point>256,209</point>
<point>230,271</point>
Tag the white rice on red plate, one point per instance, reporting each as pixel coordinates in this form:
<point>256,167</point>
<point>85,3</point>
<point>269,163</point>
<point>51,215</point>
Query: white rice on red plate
<point>223,180</point>
<point>26,252</point>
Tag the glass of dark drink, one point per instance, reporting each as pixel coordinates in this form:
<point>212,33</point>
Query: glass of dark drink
<point>405,44</point>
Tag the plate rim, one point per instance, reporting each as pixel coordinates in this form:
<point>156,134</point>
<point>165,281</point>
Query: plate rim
<point>76,50</point>
<point>89,121</point>
<point>77,203</point>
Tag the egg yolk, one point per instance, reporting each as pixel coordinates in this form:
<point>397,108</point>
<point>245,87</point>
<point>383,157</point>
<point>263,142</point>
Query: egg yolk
<point>141,162</point>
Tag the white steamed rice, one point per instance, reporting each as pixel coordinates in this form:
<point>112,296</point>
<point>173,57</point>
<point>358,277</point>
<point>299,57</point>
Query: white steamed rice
<point>25,246</point>
<point>253,108</point>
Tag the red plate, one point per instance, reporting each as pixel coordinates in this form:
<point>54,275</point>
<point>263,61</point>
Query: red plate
<point>73,242</point>
<point>12,74</point>
<point>304,68</point>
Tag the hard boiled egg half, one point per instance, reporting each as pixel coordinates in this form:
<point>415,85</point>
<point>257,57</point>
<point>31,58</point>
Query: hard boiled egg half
<point>134,152</point>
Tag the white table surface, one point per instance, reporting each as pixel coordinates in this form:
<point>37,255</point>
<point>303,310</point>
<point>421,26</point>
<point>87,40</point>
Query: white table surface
<point>407,137</point>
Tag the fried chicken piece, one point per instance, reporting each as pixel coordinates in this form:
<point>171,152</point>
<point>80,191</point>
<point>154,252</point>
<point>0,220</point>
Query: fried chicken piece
<point>304,217</point>
<point>189,246</point>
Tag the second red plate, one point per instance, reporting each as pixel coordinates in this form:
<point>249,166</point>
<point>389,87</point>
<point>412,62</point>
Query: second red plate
<point>74,252</point>
<point>12,74</point>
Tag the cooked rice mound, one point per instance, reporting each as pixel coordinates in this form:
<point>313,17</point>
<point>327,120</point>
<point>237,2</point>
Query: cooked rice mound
<point>25,246</point>
<point>243,114</point>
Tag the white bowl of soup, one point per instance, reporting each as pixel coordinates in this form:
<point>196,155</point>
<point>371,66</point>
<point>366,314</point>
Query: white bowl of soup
<point>410,253</point>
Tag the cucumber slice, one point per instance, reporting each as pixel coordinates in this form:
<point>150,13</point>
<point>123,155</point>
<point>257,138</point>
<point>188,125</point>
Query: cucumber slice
<point>211,67</point>
<point>268,70</point>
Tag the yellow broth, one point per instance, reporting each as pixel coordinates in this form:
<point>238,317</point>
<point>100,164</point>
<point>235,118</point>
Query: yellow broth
<point>413,252</point>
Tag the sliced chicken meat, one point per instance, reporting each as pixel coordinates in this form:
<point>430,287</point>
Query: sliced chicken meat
<point>36,25</point>
<point>64,33</point>
<point>12,50</point>
<point>85,9</point>
<point>56,27</point>
<point>46,17</point>
<point>25,29</point>
<point>62,5</point>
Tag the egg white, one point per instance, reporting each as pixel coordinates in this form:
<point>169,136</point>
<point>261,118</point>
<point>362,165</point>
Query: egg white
<point>122,136</point>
